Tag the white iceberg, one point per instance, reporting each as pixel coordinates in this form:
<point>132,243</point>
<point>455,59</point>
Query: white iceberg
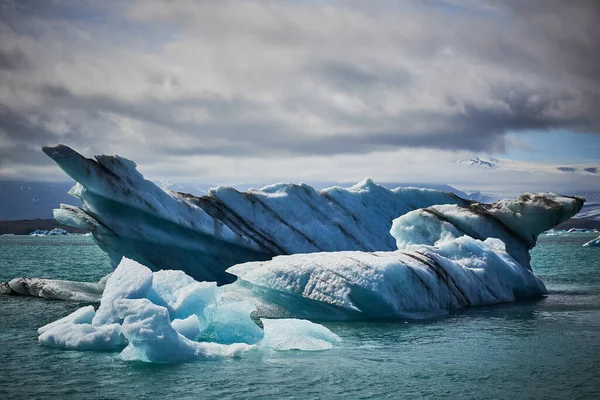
<point>53,232</point>
<point>423,282</point>
<point>449,257</point>
<point>151,338</point>
<point>83,315</point>
<point>297,334</point>
<point>138,311</point>
<point>55,289</point>
<point>334,259</point>
<point>75,336</point>
<point>203,236</point>
<point>517,223</point>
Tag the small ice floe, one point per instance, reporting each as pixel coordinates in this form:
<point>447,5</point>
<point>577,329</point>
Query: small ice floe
<point>167,316</point>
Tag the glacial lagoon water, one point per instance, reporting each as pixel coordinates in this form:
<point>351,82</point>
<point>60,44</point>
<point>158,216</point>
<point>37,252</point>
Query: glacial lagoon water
<point>548,348</point>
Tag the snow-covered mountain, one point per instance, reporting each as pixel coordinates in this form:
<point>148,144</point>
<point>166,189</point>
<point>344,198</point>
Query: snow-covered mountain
<point>480,162</point>
<point>589,169</point>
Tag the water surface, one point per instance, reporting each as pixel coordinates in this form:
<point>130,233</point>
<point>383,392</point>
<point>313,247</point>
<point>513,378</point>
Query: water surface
<point>549,348</point>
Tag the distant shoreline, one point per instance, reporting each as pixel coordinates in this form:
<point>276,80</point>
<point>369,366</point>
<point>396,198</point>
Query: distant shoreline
<point>26,226</point>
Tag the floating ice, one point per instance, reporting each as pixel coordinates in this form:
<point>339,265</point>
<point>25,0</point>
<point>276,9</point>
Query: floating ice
<point>297,334</point>
<point>131,281</point>
<point>166,316</point>
<point>593,243</point>
<point>76,332</point>
<point>75,336</point>
<point>83,315</point>
<point>516,222</point>
<point>151,337</point>
<point>53,232</point>
<point>555,232</point>
<point>346,266</point>
<point>203,236</point>
<point>444,264</point>
<point>56,289</point>
<point>420,283</point>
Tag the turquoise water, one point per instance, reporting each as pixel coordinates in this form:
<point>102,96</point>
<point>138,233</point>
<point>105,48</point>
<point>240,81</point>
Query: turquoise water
<point>548,348</point>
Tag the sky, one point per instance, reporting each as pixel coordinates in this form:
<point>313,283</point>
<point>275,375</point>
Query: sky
<point>292,90</point>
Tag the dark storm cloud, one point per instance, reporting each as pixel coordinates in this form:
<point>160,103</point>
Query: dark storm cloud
<point>266,79</point>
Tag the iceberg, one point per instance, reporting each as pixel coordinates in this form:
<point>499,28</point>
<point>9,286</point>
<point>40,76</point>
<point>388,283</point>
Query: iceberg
<point>593,243</point>
<point>297,334</point>
<point>203,236</point>
<point>449,257</point>
<point>151,337</point>
<point>331,253</point>
<point>422,282</point>
<point>53,232</point>
<point>517,223</point>
<point>39,232</point>
<point>54,289</point>
<point>167,316</point>
<point>83,336</point>
<point>555,232</point>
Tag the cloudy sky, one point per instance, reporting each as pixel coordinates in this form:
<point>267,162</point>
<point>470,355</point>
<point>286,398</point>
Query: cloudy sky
<point>305,90</point>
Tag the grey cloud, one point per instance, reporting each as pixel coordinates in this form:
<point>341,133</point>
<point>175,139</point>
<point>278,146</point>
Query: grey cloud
<point>270,79</point>
<point>13,59</point>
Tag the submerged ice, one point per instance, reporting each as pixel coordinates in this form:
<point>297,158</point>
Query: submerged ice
<point>166,316</point>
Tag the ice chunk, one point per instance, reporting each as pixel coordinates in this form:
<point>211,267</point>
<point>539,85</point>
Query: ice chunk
<point>297,334</point>
<point>39,232</point>
<point>56,289</point>
<point>203,236</point>
<point>230,322</point>
<point>86,336</point>
<point>58,232</point>
<point>152,338</point>
<point>130,280</point>
<point>181,294</point>
<point>516,222</point>
<point>593,243</point>
<point>138,309</point>
<point>189,327</point>
<point>83,315</point>
<point>423,282</point>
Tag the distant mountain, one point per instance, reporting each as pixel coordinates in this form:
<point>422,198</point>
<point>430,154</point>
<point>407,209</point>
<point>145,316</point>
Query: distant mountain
<point>528,166</point>
<point>25,227</point>
<point>480,162</point>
